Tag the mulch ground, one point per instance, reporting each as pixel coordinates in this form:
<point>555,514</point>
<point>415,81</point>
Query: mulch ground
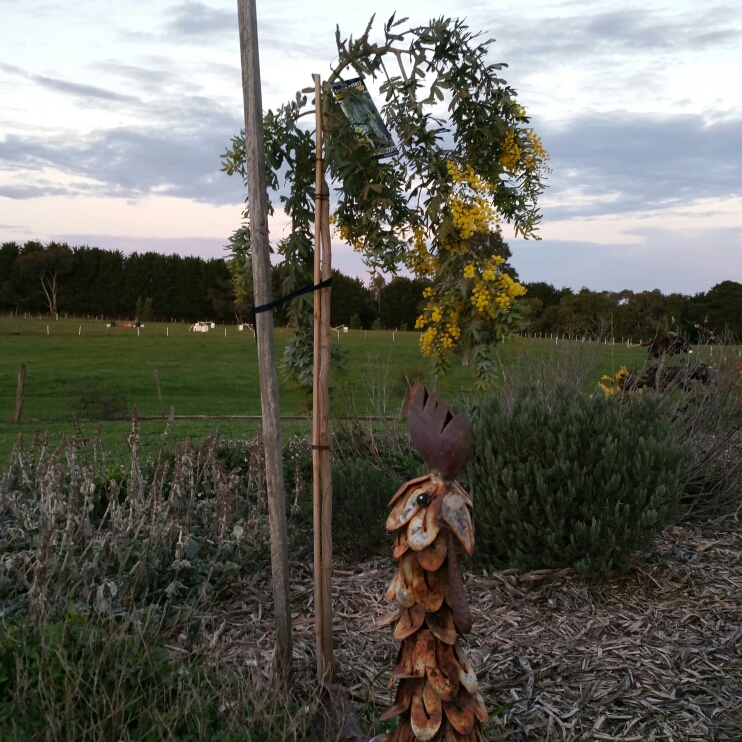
<point>655,654</point>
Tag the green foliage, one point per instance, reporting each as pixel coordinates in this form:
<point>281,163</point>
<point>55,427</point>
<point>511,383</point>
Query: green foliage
<point>144,310</point>
<point>570,480</point>
<point>361,491</point>
<point>400,301</point>
<point>106,282</point>
<point>80,679</point>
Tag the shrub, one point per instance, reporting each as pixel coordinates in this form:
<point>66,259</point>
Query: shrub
<point>361,491</point>
<point>565,479</point>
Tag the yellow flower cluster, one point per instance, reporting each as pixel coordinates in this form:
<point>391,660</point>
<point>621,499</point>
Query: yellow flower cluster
<point>443,331</point>
<point>615,384</point>
<point>524,154</point>
<point>511,152</point>
<point>491,291</point>
<point>470,208</point>
<point>420,260</point>
<point>355,242</point>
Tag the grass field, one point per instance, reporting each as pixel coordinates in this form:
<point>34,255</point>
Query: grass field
<point>199,373</point>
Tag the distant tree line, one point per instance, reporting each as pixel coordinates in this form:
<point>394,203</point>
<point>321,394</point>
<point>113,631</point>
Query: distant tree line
<point>630,314</point>
<point>88,280</point>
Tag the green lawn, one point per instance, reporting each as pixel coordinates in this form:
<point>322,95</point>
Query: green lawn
<point>200,374</point>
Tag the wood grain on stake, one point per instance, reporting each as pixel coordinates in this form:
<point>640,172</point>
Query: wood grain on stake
<point>258,203</point>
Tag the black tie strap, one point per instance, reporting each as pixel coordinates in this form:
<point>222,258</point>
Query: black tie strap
<point>282,300</point>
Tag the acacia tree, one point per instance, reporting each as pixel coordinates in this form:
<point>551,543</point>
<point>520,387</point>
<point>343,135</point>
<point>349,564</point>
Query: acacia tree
<point>466,158</point>
<point>47,264</point>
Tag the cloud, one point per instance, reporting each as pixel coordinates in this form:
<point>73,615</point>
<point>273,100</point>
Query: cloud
<point>623,162</point>
<point>178,159</point>
<point>623,32</point>
<point>76,89</point>
<point>665,259</point>
<point>193,21</point>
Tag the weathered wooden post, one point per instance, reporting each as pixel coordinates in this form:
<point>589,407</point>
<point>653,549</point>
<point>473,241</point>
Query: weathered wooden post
<point>438,695</point>
<point>18,412</point>
<point>259,241</point>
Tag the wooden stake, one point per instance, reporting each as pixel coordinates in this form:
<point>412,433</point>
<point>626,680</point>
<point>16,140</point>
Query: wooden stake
<point>18,412</point>
<point>258,205</point>
<point>324,433</point>
<point>320,462</point>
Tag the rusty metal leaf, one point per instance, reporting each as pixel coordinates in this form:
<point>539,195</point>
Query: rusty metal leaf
<point>467,676</point>
<point>480,710</point>
<point>460,712</point>
<point>443,441</point>
<point>404,733</point>
<point>401,513</point>
<point>441,625</point>
<point>455,512</point>
<point>401,544</point>
<point>390,618</point>
<point>402,702</point>
<point>427,587</point>
<point>447,665</point>
<point>425,720</point>
<point>391,591</point>
<point>456,597</point>
<point>403,668</point>
<point>409,622</point>
<point>410,484</point>
<point>423,653</point>
<point>424,525</point>
<point>432,557</point>
<point>440,684</point>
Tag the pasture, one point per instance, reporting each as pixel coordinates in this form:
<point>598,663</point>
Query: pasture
<point>81,365</point>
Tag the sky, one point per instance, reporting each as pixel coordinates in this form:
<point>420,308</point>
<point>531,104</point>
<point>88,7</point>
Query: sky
<point>113,117</point>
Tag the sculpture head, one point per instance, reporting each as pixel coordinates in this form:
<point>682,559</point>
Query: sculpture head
<point>444,441</point>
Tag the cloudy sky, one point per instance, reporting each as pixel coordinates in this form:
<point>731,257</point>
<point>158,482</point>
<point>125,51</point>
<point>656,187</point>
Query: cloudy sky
<point>113,117</point>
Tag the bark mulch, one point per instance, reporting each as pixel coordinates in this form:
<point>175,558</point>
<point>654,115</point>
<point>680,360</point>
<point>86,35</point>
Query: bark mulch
<point>654,654</point>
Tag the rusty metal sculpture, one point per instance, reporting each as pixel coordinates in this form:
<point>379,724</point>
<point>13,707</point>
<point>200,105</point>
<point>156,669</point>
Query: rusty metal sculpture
<point>437,698</point>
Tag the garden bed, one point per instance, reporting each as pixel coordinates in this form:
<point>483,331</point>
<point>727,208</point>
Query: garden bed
<point>654,654</point>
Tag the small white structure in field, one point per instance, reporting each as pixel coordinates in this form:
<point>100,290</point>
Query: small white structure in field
<point>213,325</point>
<point>240,327</point>
<point>199,327</point>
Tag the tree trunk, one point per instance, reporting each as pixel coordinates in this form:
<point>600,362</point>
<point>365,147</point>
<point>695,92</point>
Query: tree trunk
<point>258,207</point>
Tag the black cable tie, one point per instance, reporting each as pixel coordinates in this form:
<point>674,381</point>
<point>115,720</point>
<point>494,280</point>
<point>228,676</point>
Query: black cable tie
<point>284,299</point>
<point>320,448</point>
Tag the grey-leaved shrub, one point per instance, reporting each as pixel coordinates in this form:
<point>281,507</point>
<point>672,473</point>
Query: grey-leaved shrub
<point>572,481</point>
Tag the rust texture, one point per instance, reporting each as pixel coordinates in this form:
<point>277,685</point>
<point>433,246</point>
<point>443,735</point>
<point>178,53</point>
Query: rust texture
<point>437,696</point>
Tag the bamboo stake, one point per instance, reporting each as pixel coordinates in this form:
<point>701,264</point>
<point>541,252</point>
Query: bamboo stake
<point>316,485</point>
<point>258,202</point>
<point>324,436</point>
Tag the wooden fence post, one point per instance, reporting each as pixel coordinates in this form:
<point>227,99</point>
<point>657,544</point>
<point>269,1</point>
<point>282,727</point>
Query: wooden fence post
<point>258,208</point>
<point>18,412</point>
